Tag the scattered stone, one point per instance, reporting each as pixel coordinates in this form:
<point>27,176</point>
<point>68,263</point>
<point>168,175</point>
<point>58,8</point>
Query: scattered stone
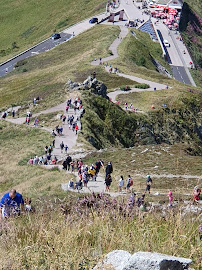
<point>123,260</point>
<point>156,261</point>
<point>144,151</point>
<point>117,259</point>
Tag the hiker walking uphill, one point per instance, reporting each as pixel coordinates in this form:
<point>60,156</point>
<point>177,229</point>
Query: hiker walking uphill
<point>62,146</point>
<point>11,204</point>
<point>69,160</point>
<point>109,169</point>
<point>129,183</point>
<point>98,165</point>
<point>148,184</point>
<point>108,181</point>
<point>121,183</point>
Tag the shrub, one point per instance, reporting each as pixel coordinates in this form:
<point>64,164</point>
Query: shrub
<point>142,86</point>
<point>20,63</point>
<point>125,88</point>
<point>14,45</point>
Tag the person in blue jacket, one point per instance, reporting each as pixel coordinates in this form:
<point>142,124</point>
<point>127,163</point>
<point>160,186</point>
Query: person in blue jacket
<point>11,204</point>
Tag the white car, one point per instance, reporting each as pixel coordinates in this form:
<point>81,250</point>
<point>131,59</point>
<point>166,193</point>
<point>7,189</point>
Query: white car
<point>166,43</point>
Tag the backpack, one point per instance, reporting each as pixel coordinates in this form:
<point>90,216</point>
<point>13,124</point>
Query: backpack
<point>131,182</point>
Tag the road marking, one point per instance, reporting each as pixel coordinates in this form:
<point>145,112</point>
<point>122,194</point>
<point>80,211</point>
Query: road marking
<point>180,75</point>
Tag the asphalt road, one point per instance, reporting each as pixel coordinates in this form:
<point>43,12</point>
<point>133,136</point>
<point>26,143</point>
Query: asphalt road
<point>180,74</point>
<point>42,47</point>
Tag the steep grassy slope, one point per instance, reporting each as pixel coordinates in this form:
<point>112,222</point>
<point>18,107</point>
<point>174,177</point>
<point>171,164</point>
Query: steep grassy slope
<point>196,5</point>
<point>77,239</point>
<point>190,27</point>
<point>106,124</point>
<point>47,73</point>
<point>24,23</point>
<point>17,145</point>
<point>136,57</point>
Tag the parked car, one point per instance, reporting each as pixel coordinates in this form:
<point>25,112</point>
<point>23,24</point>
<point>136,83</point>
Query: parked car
<point>94,20</point>
<point>56,36</point>
<point>166,43</point>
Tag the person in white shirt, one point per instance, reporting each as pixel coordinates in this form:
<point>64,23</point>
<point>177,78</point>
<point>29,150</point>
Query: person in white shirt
<point>121,183</point>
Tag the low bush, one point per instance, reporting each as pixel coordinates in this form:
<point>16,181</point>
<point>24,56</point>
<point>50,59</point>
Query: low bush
<point>125,88</point>
<point>142,86</point>
<point>20,63</point>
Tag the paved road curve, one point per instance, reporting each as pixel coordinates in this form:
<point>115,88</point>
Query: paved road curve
<point>48,44</point>
<point>42,47</point>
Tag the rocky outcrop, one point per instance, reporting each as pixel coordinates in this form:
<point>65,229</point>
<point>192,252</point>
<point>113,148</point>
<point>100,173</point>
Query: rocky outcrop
<point>123,260</point>
<point>91,84</point>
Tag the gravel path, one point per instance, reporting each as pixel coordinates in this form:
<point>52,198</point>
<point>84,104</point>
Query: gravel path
<point>114,49</point>
<point>68,137</point>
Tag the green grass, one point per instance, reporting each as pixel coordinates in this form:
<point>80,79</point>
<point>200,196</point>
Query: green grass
<point>28,22</point>
<point>48,72</point>
<point>171,97</point>
<point>135,57</point>
<point>197,76</point>
<point>50,240</point>
<point>196,6</point>
<point>170,159</point>
<point>49,120</point>
<point>105,124</point>
<point>18,144</point>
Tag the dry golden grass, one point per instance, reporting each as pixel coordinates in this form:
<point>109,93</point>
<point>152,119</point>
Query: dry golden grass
<point>49,240</point>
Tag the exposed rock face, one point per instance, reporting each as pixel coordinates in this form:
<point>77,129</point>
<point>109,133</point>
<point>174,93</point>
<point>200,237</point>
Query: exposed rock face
<point>91,83</point>
<point>123,260</point>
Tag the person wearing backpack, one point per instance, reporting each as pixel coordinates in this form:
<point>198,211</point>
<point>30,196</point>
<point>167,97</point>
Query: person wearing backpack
<point>148,184</point>
<point>50,149</point>
<point>129,183</point>
<point>108,181</point>
<point>62,146</point>
<point>69,160</point>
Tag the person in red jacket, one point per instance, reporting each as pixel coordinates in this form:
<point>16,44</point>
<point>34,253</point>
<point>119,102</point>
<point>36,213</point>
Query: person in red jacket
<point>76,128</point>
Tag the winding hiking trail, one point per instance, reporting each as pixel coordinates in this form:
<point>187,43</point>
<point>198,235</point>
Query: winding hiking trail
<point>114,49</point>
<point>69,138</point>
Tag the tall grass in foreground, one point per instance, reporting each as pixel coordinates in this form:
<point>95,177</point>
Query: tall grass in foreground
<point>77,237</point>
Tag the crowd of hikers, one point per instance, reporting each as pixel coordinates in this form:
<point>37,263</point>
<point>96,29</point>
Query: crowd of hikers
<point>71,120</point>
<point>48,158</point>
<point>12,203</point>
<point>87,173</point>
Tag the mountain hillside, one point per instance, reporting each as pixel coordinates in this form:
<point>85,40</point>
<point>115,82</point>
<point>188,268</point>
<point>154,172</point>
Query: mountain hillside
<point>24,23</point>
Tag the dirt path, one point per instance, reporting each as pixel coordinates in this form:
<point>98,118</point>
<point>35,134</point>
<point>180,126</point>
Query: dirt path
<point>68,137</point>
<point>114,49</point>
